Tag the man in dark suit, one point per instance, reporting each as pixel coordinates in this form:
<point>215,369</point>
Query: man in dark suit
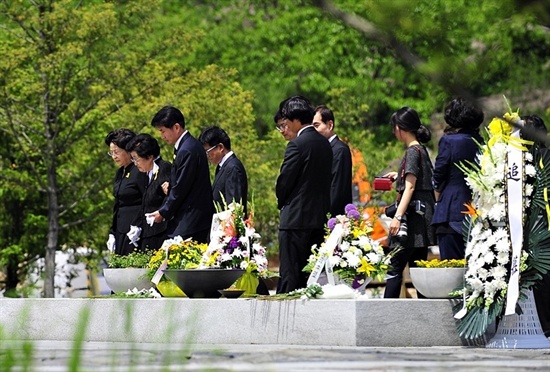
<point>189,206</point>
<point>303,193</point>
<point>230,182</point>
<point>340,188</point>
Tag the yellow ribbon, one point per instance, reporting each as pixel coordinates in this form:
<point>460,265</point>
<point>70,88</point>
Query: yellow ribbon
<point>547,207</point>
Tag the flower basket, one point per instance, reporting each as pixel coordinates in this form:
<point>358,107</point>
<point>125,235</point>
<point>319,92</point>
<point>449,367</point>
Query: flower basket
<point>348,253</point>
<point>203,283</point>
<point>235,244</point>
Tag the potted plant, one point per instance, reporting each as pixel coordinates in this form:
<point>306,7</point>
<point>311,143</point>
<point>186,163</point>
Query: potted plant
<point>125,273</point>
<point>175,254</point>
<point>438,278</point>
<point>354,256</point>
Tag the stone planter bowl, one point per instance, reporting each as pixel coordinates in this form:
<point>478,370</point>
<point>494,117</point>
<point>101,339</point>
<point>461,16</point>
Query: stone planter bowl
<point>203,283</point>
<point>122,280</point>
<point>437,282</point>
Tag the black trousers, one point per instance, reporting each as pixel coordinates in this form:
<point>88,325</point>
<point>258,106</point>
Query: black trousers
<point>542,299</point>
<point>398,263</point>
<point>294,250</point>
<point>451,246</point>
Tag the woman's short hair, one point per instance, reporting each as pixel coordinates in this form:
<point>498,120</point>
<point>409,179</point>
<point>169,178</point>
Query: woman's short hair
<point>462,114</point>
<point>119,137</point>
<point>144,145</point>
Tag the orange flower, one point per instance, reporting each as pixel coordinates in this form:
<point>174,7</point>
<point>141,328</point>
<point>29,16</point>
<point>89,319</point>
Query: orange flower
<point>472,211</point>
<point>229,229</point>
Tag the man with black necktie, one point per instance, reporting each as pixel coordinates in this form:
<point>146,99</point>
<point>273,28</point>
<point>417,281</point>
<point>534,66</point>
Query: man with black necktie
<point>230,180</point>
<point>303,193</point>
<point>188,207</point>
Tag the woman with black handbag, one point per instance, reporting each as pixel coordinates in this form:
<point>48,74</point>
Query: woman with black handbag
<point>410,227</point>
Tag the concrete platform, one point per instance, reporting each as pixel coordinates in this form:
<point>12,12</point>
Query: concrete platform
<point>369,322</point>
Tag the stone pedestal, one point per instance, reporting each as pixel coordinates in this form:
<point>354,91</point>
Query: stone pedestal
<point>369,322</point>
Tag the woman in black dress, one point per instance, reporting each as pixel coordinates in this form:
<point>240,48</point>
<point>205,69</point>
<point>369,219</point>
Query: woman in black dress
<point>129,187</point>
<point>145,153</point>
<point>415,202</point>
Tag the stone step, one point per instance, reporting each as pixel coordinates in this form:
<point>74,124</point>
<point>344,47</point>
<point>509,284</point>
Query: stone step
<point>360,322</point>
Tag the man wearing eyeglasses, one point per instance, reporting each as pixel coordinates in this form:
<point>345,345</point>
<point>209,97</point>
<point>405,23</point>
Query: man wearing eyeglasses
<point>303,193</point>
<point>282,127</point>
<point>340,188</point>
<point>188,207</point>
<point>230,181</point>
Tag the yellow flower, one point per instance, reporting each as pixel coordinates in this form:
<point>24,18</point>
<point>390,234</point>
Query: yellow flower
<point>499,127</point>
<point>366,267</point>
<point>513,117</point>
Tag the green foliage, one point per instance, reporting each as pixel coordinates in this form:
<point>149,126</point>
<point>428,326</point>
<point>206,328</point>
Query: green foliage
<point>438,264</point>
<point>136,259</point>
<point>71,72</point>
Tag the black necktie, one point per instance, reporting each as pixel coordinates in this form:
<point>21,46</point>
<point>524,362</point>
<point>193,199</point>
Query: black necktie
<point>217,169</point>
<point>175,152</point>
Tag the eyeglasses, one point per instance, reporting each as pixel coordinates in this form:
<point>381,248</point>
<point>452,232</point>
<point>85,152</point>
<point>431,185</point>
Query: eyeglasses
<point>112,153</point>
<point>281,127</point>
<point>211,148</point>
<point>135,160</point>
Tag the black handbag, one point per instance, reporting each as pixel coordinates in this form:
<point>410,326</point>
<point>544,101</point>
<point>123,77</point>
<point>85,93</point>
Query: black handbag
<point>391,210</point>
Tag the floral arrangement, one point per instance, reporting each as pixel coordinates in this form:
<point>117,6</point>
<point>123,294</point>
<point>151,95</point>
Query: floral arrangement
<point>504,167</point>
<point>235,244</point>
<point>182,254</point>
<point>357,256</point>
<point>438,264</point>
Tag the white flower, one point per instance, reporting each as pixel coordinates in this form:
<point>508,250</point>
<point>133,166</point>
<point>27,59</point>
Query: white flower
<point>352,259</point>
<point>503,258</point>
<point>373,257</point>
<point>489,257</point>
<point>344,246</point>
<point>530,170</point>
<point>498,272</point>
<point>335,261</point>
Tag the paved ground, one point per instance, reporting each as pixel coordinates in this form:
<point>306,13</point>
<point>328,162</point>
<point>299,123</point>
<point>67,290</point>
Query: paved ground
<point>99,356</point>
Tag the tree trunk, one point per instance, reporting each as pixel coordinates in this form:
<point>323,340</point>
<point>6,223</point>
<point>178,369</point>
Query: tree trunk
<point>53,232</point>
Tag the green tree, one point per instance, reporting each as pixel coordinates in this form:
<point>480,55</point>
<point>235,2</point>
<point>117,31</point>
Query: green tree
<point>71,71</point>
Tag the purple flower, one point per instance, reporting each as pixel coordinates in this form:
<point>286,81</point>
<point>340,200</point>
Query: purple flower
<point>331,223</point>
<point>358,281</point>
<point>353,213</point>
<point>234,243</point>
<point>350,207</point>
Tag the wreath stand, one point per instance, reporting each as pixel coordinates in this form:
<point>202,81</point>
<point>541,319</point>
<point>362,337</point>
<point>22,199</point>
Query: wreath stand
<point>520,331</point>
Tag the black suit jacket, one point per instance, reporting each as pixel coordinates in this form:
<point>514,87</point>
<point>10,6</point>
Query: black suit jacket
<point>128,190</point>
<point>340,188</point>
<point>303,185</point>
<point>154,198</point>
<point>231,182</point>
<point>189,206</point>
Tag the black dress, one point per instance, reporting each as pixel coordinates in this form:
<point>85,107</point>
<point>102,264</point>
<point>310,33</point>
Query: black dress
<point>417,162</point>
<point>129,188</point>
